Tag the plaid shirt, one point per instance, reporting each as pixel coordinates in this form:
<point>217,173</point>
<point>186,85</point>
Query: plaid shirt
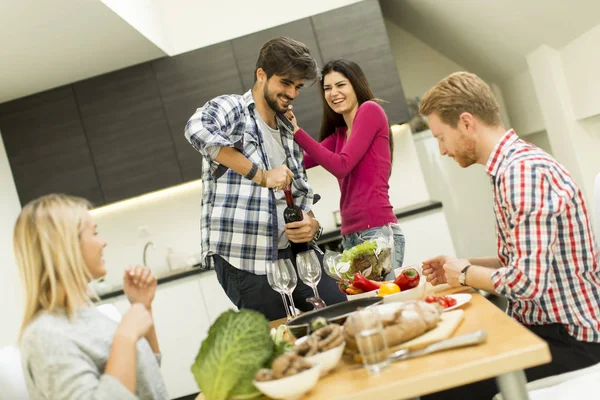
<point>239,218</point>
<point>551,271</point>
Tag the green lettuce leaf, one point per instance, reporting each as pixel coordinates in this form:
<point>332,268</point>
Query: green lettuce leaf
<point>238,344</point>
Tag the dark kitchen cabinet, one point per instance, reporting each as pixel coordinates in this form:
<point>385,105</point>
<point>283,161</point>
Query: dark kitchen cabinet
<point>187,81</point>
<point>47,147</point>
<point>308,106</point>
<point>128,132</point>
<point>121,134</point>
<point>357,33</point>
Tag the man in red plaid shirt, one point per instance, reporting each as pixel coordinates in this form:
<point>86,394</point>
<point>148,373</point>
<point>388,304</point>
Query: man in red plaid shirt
<point>547,265</point>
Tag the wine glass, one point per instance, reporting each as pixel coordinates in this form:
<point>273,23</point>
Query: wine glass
<point>309,270</point>
<point>287,279</point>
<point>271,271</point>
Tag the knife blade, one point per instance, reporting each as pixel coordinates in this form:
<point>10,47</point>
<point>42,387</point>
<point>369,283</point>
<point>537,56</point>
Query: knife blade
<point>469,339</point>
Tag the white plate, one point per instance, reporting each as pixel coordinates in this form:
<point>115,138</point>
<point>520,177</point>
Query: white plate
<point>461,298</point>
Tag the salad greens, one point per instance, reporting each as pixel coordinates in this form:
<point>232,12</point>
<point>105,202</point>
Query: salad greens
<point>370,258</point>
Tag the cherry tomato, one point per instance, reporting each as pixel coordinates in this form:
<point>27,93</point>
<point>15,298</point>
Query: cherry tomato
<point>442,301</point>
<point>451,301</point>
<point>430,299</point>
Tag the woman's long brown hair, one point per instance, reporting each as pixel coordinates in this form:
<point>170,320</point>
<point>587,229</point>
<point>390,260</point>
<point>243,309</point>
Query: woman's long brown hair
<point>352,71</point>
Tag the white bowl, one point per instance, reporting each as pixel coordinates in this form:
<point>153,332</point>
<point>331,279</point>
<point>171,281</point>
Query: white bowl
<point>417,293</point>
<point>291,387</point>
<point>327,360</point>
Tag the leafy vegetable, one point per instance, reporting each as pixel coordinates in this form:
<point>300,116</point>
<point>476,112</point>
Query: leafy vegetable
<point>238,344</point>
<point>281,345</point>
<point>369,258</point>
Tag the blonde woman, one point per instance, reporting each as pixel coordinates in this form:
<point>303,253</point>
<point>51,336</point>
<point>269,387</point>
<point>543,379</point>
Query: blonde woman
<point>69,349</point>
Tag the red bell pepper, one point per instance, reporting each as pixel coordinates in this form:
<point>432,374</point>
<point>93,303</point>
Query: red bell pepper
<point>409,278</point>
<point>365,284</point>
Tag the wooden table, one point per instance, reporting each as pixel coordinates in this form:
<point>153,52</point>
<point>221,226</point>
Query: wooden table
<point>510,348</point>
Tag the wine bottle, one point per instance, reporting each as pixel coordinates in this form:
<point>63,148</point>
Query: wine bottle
<point>292,212</point>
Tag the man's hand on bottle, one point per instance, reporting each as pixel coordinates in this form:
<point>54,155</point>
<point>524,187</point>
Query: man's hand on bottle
<point>302,231</point>
<point>280,177</point>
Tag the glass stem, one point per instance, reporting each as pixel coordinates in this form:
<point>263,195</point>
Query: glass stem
<point>285,305</point>
<point>314,288</point>
<point>291,298</point>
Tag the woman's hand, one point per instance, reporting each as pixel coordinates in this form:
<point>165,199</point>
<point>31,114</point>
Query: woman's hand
<point>139,284</point>
<point>136,323</point>
<point>290,115</point>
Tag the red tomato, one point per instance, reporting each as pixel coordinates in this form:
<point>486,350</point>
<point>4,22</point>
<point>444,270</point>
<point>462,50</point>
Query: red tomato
<point>442,301</point>
<point>430,299</point>
<point>451,301</point>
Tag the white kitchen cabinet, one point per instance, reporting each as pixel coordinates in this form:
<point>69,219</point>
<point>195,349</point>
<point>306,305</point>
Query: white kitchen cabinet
<point>182,323</point>
<point>215,299</point>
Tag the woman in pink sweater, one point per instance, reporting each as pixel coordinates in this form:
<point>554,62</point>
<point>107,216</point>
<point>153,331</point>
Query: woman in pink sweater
<point>356,147</point>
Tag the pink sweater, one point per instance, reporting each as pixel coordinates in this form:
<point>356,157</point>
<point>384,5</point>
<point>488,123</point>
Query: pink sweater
<point>362,167</point>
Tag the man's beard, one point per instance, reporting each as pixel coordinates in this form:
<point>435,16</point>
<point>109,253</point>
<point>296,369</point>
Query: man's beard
<point>272,102</point>
<point>468,155</point>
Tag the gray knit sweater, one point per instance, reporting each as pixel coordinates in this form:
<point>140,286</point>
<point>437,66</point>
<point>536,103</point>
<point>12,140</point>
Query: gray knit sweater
<point>65,360</point>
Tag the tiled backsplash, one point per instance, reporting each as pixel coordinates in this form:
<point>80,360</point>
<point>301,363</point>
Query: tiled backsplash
<point>171,218</point>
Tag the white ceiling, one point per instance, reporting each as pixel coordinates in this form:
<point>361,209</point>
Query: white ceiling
<point>49,43</point>
<point>493,37</point>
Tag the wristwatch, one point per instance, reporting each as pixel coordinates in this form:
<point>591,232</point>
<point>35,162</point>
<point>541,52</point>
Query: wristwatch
<point>319,233</point>
<point>462,278</point>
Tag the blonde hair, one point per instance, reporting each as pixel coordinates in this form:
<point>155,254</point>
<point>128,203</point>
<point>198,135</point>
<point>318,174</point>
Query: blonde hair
<point>461,92</point>
<point>48,253</point>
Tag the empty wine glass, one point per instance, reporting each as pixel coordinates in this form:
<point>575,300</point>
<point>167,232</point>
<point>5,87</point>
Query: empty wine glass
<point>287,279</point>
<point>309,270</point>
<point>271,271</point>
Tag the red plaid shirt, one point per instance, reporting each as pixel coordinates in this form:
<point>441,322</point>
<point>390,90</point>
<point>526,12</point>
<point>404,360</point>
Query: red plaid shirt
<point>551,270</point>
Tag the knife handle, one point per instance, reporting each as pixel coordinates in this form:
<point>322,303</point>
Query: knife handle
<point>468,339</point>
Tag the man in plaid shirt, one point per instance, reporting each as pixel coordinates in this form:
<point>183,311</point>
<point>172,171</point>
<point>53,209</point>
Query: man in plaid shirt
<point>547,265</point>
<point>249,156</point>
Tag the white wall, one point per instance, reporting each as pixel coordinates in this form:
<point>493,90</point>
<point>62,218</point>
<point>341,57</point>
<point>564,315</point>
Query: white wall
<point>581,63</point>
<point>467,197</point>
<point>419,65</point>
<point>522,104</point>
<point>11,306</point>
<point>541,140</point>
<point>170,218</point>
<point>472,227</point>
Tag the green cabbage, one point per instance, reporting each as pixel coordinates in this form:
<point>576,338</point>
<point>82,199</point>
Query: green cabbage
<point>238,345</point>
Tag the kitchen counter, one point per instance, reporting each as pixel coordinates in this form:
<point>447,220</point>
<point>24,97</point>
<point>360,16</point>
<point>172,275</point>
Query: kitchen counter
<point>169,277</point>
<point>400,214</point>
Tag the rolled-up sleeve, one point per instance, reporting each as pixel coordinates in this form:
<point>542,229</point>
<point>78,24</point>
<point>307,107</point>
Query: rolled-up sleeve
<point>531,206</point>
<point>214,125</point>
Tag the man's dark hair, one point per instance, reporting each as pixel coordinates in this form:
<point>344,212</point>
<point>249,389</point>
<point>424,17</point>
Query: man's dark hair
<point>285,56</point>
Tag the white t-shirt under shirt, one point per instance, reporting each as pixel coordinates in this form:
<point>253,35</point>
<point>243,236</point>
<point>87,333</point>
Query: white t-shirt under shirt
<point>277,157</point>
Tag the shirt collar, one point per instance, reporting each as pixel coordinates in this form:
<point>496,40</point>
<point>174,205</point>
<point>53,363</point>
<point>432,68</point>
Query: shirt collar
<point>282,120</point>
<point>499,152</point>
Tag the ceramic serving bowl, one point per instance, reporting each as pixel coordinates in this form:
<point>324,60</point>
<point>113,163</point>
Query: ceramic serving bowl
<point>291,387</point>
<point>328,360</point>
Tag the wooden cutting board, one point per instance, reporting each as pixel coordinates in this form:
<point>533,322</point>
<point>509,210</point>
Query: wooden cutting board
<point>444,330</point>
